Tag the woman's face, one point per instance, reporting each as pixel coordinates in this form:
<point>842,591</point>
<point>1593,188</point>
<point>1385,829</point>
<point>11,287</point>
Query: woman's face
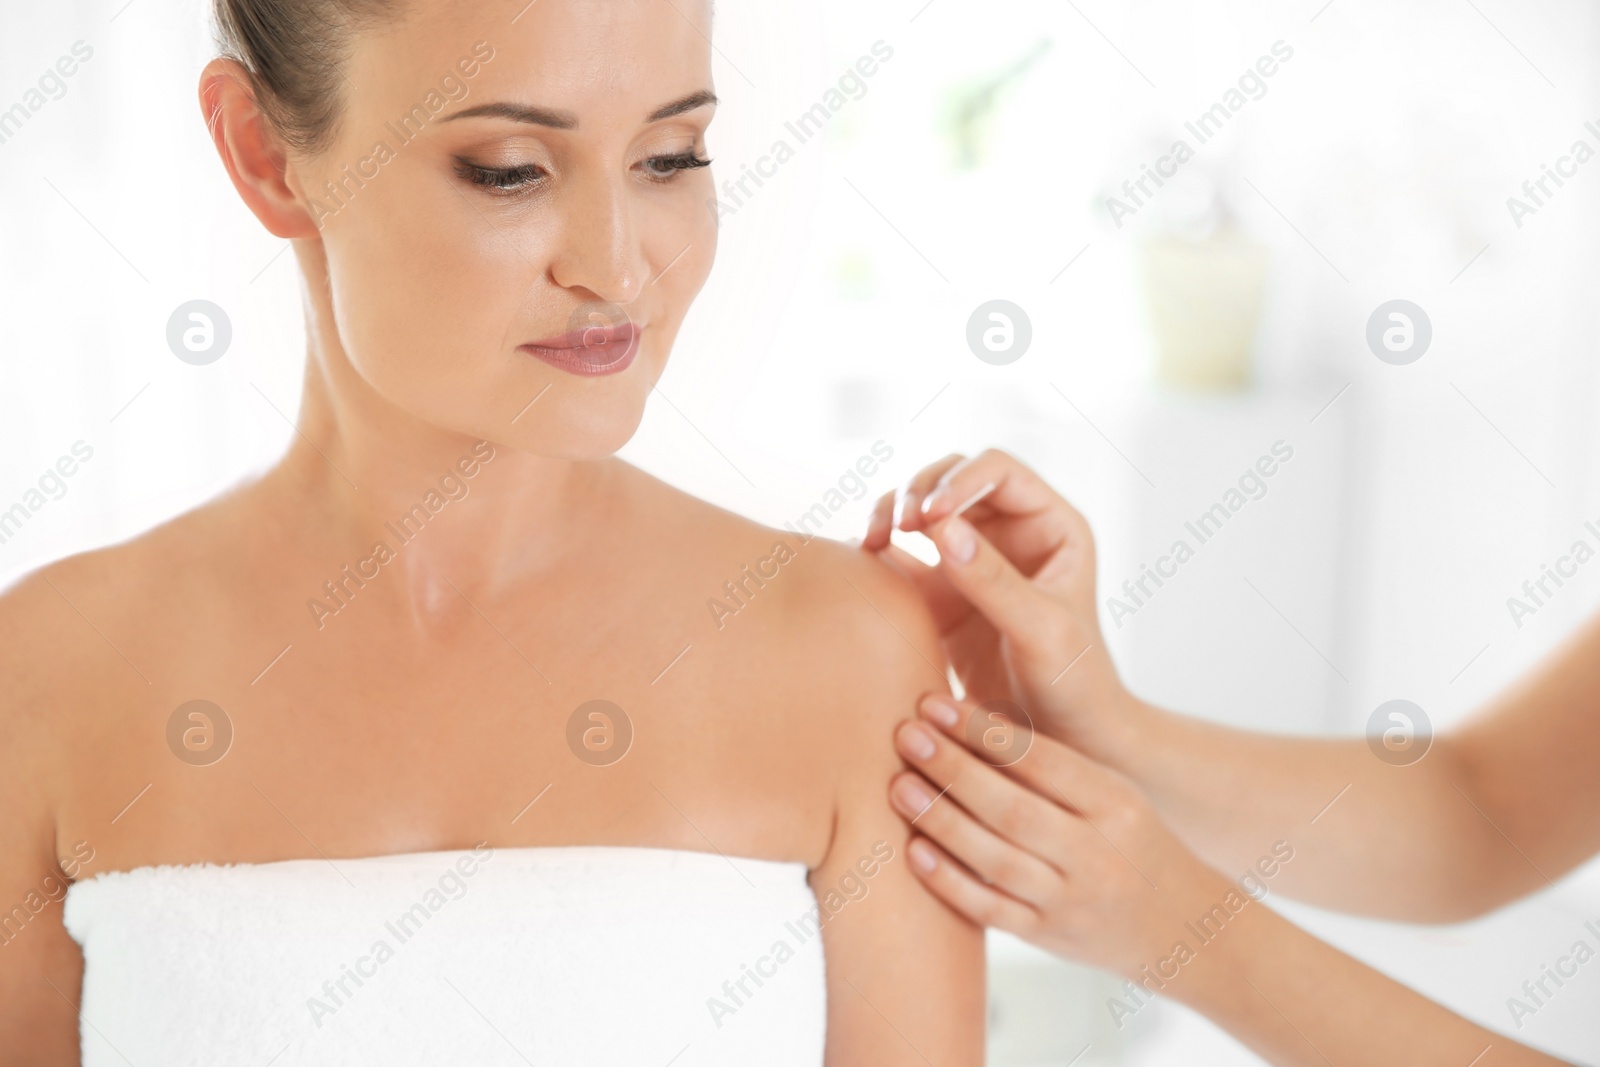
<point>503,177</point>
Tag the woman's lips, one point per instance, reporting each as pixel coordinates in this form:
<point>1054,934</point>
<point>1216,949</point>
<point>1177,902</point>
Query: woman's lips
<point>591,351</point>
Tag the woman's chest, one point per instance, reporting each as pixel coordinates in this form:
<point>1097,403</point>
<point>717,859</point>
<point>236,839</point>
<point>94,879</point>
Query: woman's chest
<point>373,754</point>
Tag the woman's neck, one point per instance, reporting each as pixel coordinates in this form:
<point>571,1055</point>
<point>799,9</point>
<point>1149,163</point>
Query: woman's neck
<point>443,517</point>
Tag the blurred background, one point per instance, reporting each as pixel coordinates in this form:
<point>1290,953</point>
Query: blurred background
<point>1149,350</point>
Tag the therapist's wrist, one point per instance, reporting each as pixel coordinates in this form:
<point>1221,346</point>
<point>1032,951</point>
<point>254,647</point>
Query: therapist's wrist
<point>1123,733</point>
<point>1225,958</point>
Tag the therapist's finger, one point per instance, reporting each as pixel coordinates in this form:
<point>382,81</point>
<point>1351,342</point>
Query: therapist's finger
<point>1000,479</point>
<point>983,904</point>
<point>1037,625</point>
<point>1031,522</point>
<point>997,861</point>
<point>880,524</point>
<point>1048,768</point>
<point>921,484</point>
<point>1032,821</point>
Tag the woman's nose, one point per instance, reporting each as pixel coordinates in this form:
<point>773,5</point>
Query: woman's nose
<point>601,247</point>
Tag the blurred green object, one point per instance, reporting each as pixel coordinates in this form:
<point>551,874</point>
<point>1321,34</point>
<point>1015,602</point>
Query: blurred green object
<point>974,105</point>
<point>854,275</point>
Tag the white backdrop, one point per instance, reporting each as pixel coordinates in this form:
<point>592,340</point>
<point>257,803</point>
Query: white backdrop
<point>976,166</point>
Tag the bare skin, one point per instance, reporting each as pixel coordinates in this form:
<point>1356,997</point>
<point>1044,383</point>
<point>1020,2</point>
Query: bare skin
<point>432,707</point>
<point>1113,831</point>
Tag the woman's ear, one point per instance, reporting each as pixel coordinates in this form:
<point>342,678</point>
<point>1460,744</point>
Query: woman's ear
<point>251,150</point>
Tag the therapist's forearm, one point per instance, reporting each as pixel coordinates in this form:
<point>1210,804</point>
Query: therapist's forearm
<point>1499,805</point>
<point>1298,1001</point>
<point>1370,838</point>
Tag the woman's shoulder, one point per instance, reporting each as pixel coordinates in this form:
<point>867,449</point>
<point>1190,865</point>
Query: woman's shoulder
<point>77,626</point>
<point>874,644</point>
<point>823,599</point>
<point>833,626</point>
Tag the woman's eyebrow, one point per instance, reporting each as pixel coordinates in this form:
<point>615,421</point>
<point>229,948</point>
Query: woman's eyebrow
<point>566,120</point>
<point>688,103</point>
<point>538,116</point>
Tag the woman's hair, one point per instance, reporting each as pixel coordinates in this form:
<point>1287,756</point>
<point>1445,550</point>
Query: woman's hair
<point>295,52</point>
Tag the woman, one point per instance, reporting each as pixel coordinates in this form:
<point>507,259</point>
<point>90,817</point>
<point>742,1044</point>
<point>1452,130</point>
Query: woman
<point>1070,847</point>
<point>440,692</point>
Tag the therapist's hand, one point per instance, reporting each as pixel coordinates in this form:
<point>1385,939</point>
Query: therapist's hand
<point>1055,848</point>
<point>1069,855</point>
<point>1013,594</point>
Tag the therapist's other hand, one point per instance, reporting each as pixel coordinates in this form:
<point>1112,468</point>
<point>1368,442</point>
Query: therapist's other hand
<point>1013,594</point>
<point>1055,848</point>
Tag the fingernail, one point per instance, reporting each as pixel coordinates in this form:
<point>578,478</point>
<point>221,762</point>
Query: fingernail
<point>942,710</point>
<point>916,741</point>
<point>912,796</point>
<point>960,540</point>
<point>936,499</point>
<point>922,856</point>
<point>909,507</point>
<point>876,522</point>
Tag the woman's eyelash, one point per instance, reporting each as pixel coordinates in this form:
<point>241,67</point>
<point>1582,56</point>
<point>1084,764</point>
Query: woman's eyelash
<point>512,179</point>
<point>505,179</point>
<point>674,164</point>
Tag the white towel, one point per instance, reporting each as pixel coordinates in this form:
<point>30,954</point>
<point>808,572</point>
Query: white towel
<point>587,955</point>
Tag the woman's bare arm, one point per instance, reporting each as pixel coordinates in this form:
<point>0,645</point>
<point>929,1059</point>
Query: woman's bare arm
<point>41,968</point>
<point>905,972</point>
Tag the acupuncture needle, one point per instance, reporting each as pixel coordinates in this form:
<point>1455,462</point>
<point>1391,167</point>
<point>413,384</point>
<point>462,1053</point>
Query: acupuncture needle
<point>975,497</point>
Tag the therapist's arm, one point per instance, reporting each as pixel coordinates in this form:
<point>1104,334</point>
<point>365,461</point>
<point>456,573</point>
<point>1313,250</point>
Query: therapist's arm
<point>1069,855</point>
<point>1496,809</point>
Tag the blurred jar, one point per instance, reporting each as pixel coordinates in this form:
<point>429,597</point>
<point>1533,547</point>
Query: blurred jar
<point>1204,299</point>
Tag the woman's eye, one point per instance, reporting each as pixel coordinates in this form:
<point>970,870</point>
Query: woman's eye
<point>505,179</point>
<point>527,175</point>
<point>665,168</point>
